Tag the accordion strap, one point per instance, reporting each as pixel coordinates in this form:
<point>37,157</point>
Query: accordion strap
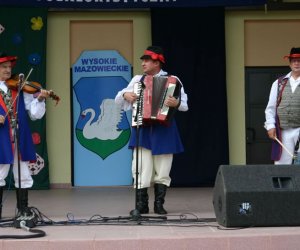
<point>142,78</point>
<point>179,95</point>
<point>297,144</point>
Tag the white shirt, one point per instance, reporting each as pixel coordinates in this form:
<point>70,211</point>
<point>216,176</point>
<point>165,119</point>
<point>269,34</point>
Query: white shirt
<point>270,111</point>
<point>36,109</point>
<point>127,105</point>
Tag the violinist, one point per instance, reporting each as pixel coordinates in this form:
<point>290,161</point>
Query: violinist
<point>28,106</point>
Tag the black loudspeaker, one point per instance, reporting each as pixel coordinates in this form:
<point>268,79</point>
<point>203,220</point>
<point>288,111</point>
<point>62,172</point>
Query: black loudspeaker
<point>257,195</point>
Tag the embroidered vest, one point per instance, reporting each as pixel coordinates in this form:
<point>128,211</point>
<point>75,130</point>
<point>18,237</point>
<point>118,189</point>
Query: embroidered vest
<point>288,109</point>
<point>27,149</point>
<point>9,105</point>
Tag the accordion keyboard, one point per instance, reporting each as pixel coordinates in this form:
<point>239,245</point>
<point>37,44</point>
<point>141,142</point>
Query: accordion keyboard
<point>137,106</point>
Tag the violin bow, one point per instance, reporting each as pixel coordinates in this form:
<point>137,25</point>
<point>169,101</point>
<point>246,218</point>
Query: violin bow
<point>26,78</point>
<point>284,147</point>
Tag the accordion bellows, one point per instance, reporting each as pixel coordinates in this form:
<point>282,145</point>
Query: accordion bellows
<point>152,92</point>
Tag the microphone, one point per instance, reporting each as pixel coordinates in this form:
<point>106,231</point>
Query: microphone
<point>21,77</point>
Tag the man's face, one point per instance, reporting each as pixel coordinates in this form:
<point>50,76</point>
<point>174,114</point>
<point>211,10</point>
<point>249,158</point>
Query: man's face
<point>295,65</point>
<point>5,71</point>
<point>150,67</point>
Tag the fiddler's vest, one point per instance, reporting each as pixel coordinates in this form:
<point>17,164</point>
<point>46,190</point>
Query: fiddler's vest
<point>7,141</point>
<point>288,109</point>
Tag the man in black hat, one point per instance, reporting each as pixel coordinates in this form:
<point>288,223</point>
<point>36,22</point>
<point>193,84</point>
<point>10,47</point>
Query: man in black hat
<point>157,143</point>
<point>10,120</point>
<point>283,112</point>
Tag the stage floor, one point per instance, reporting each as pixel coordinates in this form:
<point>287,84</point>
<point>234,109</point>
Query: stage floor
<point>98,218</point>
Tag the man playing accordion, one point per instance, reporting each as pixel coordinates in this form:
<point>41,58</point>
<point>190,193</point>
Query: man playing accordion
<point>157,142</point>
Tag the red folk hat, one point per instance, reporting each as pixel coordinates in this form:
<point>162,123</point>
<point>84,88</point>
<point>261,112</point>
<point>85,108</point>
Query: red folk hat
<point>154,53</point>
<point>6,58</point>
<point>295,53</point>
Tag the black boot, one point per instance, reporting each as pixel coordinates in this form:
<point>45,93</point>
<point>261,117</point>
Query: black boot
<point>22,201</point>
<point>142,201</point>
<point>25,216</point>
<point>1,194</point>
<point>160,193</point>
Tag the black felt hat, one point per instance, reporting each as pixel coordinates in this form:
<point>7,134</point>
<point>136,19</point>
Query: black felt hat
<point>5,58</point>
<point>295,53</point>
<point>154,53</point>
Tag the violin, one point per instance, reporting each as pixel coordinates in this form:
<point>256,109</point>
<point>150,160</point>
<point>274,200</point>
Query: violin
<point>29,87</point>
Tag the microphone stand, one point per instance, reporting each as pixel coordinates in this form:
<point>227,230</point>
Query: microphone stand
<point>21,217</point>
<point>17,140</point>
<point>135,213</point>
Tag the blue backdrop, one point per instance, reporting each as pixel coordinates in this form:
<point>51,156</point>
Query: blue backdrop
<point>101,130</point>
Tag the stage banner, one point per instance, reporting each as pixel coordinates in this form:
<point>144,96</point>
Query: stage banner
<point>129,4</point>
<point>23,34</point>
<point>101,130</point>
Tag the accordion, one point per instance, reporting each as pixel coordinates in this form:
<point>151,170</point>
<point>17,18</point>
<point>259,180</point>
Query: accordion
<point>149,108</point>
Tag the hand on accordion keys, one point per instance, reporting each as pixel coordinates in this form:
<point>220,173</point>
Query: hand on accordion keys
<point>130,96</point>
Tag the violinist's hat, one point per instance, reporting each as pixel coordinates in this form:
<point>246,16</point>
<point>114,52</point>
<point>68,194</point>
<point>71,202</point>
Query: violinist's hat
<point>5,58</point>
<point>295,53</point>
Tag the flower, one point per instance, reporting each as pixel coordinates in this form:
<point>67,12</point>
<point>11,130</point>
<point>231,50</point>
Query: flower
<point>37,23</point>
<point>17,39</point>
<point>34,59</point>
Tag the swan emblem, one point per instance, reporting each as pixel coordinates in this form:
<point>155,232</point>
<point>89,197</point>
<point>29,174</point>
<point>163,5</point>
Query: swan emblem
<point>105,127</point>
